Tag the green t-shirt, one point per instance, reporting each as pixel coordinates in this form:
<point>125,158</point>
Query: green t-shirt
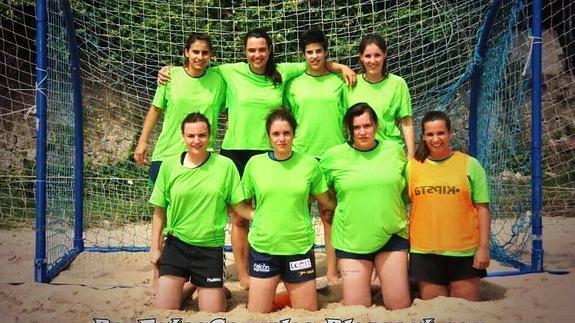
<point>369,187</point>
<point>479,193</point>
<point>181,96</point>
<point>250,97</point>
<point>389,98</point>
<point>196,199</point>
<point>317,104</point>
<point>282,224</point>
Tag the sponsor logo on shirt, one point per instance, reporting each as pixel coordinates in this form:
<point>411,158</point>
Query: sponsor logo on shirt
<point>300,264</point>
<point>263,268</point>
<point>439,189</point>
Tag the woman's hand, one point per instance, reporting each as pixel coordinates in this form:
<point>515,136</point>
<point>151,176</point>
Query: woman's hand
<point>141,153</point>
<point>164,75</point>
<point>155,257</point>
<point>349,75</point>
<point>481,258</point>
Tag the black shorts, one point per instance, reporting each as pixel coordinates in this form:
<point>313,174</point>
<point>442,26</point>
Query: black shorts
<point>240,157</point>
<point>395,243</point>
<point>442,270</point>
<point>154,170</point>
<point>203,266</point>
<point>291,269</point>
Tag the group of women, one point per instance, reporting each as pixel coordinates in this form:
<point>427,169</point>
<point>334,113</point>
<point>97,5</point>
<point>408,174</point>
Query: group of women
<point>362,181</point>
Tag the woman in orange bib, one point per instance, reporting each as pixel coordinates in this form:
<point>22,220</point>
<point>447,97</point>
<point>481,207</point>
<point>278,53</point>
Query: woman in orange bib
<point>449,220</point>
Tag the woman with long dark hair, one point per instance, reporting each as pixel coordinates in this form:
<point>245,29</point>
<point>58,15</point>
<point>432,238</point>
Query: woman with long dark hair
<point>450,219</point>
<point>194,88</point>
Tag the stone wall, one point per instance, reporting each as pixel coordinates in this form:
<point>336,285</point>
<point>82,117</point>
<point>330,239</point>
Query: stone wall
<point>17,144</point>
<point>109,129</point>
<point>558,128</point>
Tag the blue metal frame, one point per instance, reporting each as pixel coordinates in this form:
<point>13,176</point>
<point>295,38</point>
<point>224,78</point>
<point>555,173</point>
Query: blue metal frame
<point>478,59</point>
<point>475,93</point>
<point>60,264</point>
<point>41,273</point>
<point>536,178</point>
<point>41,143</point>
<point>78,126</point>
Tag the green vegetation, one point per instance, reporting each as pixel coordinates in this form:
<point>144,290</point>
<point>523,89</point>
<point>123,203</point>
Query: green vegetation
<point>16,201</point>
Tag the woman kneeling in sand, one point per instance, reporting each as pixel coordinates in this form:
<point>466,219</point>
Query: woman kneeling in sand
<point>191,196</point>
<point>449,222</point>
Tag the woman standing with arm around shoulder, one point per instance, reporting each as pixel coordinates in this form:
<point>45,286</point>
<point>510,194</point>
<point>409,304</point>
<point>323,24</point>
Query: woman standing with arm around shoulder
<point>385,92</point>
<point>369,227</point>
<point>449,245</point>
<point>254,89</point>
<point>282,236</point>
<point>316,100</point>
<point>191,196</point>
<point>194,88</point>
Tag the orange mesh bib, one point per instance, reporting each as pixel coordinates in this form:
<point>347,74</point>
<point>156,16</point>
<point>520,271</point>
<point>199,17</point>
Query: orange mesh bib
<point>443,217</point>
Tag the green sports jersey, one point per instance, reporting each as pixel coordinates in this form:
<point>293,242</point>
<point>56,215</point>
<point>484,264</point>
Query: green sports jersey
<point>389,98</point>
<point>196,199</point>
<point>282,223</point>
<point>479,188</point>
<point>181,96</point>
<point>478,181</point>
<point>369,187</point>
<point>250,97</point>
<point>317,104</point>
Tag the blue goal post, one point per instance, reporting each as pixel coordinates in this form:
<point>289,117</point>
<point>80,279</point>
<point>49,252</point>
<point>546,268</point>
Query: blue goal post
<point>97,58</point>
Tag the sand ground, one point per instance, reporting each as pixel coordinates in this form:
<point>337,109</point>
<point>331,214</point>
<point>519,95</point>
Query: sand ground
<point>111,287</point>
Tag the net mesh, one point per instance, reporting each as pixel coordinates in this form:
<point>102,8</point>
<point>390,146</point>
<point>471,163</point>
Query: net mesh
<point>122,45</point>
<point>17,131</point>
